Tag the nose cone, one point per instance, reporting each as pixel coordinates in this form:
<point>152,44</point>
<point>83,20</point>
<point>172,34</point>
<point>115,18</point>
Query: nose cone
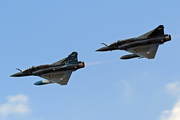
<point>19,74</point>
<point>103,49</point>
<point>39,83</point>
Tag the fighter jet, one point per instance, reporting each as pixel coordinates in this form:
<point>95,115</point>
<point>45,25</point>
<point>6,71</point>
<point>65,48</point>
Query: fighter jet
<point>144,46</point>
<point>58,72</point>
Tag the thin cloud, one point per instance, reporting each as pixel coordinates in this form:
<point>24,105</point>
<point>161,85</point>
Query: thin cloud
<point>127,88</point>
<point>174,113</point>
<point>124,87</point>
<point>174,88</point>
<point>15,105</point>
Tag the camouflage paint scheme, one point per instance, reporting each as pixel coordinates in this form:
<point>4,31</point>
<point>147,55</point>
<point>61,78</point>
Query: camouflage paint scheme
<point>144,46</point>
<point>58,72</point>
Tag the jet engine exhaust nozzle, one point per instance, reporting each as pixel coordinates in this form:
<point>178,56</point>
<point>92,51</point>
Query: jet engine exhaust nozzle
<point>81,65</point>
<point>168,38</point>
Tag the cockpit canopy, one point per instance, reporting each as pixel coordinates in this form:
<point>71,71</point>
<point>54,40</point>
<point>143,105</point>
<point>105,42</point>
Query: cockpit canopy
<point>36,67</point>
<point>122,41</point>
<point>114,43</point>
<point>30,68</point>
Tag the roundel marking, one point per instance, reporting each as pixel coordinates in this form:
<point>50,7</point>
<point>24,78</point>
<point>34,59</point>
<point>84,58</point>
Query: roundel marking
<point>136,49</point>
<point>50,76</point>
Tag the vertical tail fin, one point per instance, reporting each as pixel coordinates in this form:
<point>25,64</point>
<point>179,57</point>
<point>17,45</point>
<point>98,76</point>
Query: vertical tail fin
<point>71,58</point>
<point>155,32</point>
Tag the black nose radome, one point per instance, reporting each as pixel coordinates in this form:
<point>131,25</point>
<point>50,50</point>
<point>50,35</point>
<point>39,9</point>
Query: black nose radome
<point>103,49</point>
<point>17,74</point>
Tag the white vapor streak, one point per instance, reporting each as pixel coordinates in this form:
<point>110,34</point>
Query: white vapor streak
<point>175,36</point>
<point>99,62</point>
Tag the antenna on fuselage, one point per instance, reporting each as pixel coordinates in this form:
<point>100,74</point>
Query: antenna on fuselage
<point>104,44</point>
<point>18,69</point>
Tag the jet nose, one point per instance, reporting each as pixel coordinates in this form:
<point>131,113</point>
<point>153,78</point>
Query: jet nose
<point>17,74</point>
<point>103,49</point>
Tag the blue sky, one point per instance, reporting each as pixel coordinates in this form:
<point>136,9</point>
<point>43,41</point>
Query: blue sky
<point>40,32</point>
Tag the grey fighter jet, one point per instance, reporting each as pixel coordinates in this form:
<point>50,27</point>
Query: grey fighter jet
<point>144,46</point>
<point>58,72</point>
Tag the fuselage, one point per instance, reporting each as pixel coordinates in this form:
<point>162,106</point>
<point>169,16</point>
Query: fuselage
<point>132,42</point>
<point>43,69</point>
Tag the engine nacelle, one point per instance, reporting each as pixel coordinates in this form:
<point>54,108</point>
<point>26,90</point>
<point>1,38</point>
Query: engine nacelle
<point>43,82</point>
<point>129,56</point>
